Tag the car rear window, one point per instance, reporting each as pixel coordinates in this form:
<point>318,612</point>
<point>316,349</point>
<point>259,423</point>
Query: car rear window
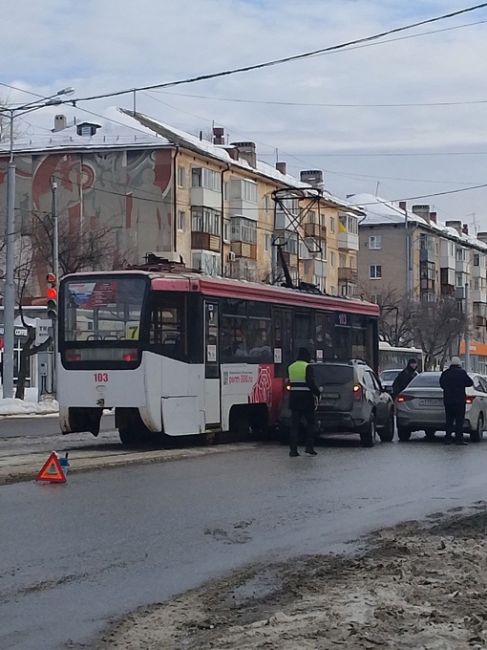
<point>427,379</point>
<point>331,374</point>
<point>389,374</point>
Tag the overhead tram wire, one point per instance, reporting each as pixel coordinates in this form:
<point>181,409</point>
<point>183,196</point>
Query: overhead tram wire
<point>283,60</point>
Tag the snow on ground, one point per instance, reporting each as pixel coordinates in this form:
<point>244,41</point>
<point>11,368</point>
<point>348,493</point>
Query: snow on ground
<point>12,406</point>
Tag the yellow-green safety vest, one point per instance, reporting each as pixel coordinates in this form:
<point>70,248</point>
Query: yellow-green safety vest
<point>297,376</point>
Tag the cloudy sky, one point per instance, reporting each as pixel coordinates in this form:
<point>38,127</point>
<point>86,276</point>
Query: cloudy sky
<point>103,45</point>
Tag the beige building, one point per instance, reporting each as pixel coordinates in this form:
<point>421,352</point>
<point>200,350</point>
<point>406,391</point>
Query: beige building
<point>411,253</point>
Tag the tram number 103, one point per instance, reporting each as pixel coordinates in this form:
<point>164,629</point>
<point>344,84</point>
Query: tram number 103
<point>101,377</point>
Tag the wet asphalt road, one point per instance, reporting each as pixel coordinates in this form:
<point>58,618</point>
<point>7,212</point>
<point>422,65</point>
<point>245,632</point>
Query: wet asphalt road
<point>74,556</point>
<point>34,427</point>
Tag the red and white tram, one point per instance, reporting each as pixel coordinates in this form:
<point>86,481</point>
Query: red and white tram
<point>184,354</point>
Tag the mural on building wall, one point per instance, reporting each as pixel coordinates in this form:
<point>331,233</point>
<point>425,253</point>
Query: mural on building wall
<point>127,192</point>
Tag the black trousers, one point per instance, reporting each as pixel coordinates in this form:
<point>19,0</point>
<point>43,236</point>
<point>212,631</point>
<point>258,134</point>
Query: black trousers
<point>455,417</point>
<point>297,415</point>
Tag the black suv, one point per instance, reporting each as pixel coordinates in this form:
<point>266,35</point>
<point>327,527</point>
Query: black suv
<point>352,401</point>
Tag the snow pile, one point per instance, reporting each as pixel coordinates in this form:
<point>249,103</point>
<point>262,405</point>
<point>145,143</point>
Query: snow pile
<point>12,406</point>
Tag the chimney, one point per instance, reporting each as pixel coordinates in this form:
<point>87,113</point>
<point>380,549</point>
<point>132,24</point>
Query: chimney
<point>247,152</point>
<point>403,205</point>
<point>232,152</point>
<point>422,211</point>
<point>281,167</point>
<point>482,236</point>
<point>457,225</point>
<point>60,122</point>
<point>465,229</point>
<point>434,217</point>
<point>218,135</point>
<point>313,177</point>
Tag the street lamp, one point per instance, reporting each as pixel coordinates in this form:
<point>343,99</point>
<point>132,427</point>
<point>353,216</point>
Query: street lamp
<point>9,284</point>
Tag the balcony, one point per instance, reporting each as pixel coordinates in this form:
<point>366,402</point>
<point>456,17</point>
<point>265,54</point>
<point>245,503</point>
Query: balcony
<point>291,259</point>
<point>426,255</point>
<point>447,262</point>
<point>447,290</point>
<point>346,274</point>
<point>348,241</point>
<point>478,271</point>
<point>314,230</point>
<point>207,198</point>
<point>478,295</point>
<point>205,241</point>
<point>479,321</point>
<point>461,266</point>
<point>242,249</point>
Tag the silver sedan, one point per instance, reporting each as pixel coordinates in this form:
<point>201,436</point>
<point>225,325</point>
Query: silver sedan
<point>420,407</point>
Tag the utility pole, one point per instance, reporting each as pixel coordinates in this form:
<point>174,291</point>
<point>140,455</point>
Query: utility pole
<point>9,284</point>
<point>10,237</point>
<point>467,329</point>
<point>55,268</point>
<point>408,255</point>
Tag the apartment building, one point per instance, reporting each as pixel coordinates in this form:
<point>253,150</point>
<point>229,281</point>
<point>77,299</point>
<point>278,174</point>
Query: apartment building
<point>153,188</point>
<point>410,252</point>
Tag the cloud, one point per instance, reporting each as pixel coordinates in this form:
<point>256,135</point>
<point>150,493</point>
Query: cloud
<point>101,45</point>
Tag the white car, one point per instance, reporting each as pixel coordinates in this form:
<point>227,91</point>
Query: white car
<point>419,407</point>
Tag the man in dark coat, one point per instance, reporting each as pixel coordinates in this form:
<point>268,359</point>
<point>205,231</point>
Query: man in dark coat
<point>454,380</point>
<point>404,378</point>
<point>303,390</point>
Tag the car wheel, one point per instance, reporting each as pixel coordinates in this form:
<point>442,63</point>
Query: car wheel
<point>387,433</point>
<point>367,436</point>
<point>477,435</point>
<point>430,434</point>
<point>403,434</point>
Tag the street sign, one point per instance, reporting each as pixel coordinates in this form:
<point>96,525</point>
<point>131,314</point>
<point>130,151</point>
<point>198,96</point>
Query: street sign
<point>43,330</point>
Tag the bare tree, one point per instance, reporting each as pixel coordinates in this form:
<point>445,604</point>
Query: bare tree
<point>437,328</point>
<point>395,315</point>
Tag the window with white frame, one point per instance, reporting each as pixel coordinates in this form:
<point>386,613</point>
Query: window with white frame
<point>461,254</point>
<point>181,220</point>
<point>205,220</point>
<point>244,230</point>
<point>332,224</point>
<point>375,272</point>
<point>206,178</point>
<point>181,176</point>
<point>226,231</point>
<point>375,242</point>
<point>244,190</point>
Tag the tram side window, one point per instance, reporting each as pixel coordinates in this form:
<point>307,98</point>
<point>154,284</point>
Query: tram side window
<point>324,336</point>
<point>245,332</point>
<point>167,332</point>
<point>304,332</point>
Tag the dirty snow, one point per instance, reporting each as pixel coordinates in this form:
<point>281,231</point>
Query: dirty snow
<point>416,586</point>
<point>12,406</point>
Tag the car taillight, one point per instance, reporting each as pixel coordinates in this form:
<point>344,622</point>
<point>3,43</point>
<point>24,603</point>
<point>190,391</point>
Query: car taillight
<point>358,392</point>
<point>469,399</point>
<point>73,355</point>
<point>404,398</point>
<point>130,355</point>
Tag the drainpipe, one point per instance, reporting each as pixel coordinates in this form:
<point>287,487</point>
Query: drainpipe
<point>175,200</point>
<point>222,220</point>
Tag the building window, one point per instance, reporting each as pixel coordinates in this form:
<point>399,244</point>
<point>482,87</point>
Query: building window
<point>375,271</point>
<point>244,190</point>
<point>332,258</point>
<point>181,220</point>
<point>205,220</point>
<point>459,280</point>
<point>226,231</point>
<point>348,223</point>
<point>460,255</point>
<point>476,259</point>
<point>266,202</point>
<point>268,242</point>
<point>206,178</point>
<point>181,177</point>
<point>332,225</point>
<point>375,242</point>
<point>244,230</point>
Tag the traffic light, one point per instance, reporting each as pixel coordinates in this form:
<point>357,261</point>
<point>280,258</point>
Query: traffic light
<point>51,295</point>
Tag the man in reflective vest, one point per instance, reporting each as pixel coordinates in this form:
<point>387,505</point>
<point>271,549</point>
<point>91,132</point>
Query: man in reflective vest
<point>301,401</point>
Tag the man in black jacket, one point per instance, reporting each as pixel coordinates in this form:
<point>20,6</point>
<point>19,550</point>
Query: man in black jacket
<point>404,378</point>
<point>454,380</point>
<point>303,390</point>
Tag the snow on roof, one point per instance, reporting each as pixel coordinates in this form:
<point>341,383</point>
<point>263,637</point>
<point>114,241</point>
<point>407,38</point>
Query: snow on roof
<point>379,211</point>
<point>117,131</point>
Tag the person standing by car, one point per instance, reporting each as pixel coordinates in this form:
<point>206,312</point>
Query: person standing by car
<point>453,381</point>
<point>303,389</point>
<point>404,378</point>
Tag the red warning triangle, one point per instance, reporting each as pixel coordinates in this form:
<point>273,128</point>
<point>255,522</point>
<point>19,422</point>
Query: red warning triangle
<point>52,471</point>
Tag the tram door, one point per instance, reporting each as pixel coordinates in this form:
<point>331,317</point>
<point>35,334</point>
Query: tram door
<point>212,363</point>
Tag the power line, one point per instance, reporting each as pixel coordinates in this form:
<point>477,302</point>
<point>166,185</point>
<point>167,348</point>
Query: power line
<point>280,61</point>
